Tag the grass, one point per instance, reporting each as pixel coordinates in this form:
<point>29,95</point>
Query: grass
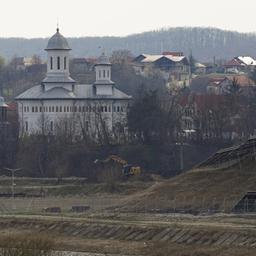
<point>26,245</point>
<point>197,191</point>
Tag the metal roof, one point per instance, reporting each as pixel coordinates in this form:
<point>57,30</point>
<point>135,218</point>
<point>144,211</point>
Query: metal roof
<point>57,42</point>
<point>153,58</point>
<point>58,79</point>
<point>103,60</point>
<point>81,91</point>
<point>247,60</point>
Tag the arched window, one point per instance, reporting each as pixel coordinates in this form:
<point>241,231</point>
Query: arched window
<point>104,73</point>
<point>58,62</point>
<point>108,74</point>
<point>65,62</point>
<point>51,62</point>
<point>99,73</point>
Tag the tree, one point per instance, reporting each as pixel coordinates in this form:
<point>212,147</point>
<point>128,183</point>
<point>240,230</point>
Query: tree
<point>192,62</point>
<point>121,57</point>
<point>36,60</point>
<point>153,119</point>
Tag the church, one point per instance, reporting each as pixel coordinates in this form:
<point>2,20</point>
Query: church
<point>58,103</point>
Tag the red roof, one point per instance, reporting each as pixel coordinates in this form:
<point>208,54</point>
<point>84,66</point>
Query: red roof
<point>177,54</point>
<point>234,63</point>
<point>202,101</point>
<point>12,106</point>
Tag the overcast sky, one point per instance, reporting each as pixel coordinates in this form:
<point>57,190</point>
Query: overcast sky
<point>38,18</point>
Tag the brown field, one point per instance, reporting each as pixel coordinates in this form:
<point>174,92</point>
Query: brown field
<point>139,218</point>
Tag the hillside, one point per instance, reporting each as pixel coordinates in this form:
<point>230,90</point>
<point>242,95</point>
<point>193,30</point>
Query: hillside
<point>205,43</point>
<point>197,191</point>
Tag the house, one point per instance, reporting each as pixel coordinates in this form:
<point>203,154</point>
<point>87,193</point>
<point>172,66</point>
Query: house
<point>222,84</point>
<point>240,64</point>
<point>200,68</point>
<point>59,102</point>
<point>4,134</point>
<point>173,66</point>
<point>21,63</point>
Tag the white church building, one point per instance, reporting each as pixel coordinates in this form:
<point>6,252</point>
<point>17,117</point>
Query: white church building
<point>58,103</point>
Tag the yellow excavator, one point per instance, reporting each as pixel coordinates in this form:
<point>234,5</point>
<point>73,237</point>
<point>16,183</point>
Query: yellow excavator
<point>127,169</point>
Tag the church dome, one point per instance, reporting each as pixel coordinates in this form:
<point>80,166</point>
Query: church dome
<point>57,42</point>
<point>103,60</point>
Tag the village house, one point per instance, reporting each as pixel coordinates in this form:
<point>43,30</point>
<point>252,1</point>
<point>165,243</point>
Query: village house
<point>222,84</point>
<point>58,102</point>
<point>173,66</point>
<point>240,64</point>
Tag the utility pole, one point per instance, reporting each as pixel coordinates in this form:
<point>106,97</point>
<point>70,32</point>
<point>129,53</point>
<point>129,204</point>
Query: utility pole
<point>13,184</point>
<point>181,153</point>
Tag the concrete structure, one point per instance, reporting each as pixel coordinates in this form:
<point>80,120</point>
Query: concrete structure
<point>59,102</point>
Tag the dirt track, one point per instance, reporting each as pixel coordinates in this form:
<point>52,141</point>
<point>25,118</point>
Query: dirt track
<point>102,235</point>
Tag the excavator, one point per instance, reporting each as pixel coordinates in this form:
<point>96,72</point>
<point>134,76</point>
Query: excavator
<point>127,170</point>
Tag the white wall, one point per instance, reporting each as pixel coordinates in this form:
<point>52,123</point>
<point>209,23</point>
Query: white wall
<point>55,54</point>
<point>82,111</point>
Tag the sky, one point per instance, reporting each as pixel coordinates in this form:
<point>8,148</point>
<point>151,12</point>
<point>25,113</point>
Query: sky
<point>76,18</point>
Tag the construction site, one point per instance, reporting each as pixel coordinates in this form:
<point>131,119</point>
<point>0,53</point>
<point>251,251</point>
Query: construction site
<point>209,210</point>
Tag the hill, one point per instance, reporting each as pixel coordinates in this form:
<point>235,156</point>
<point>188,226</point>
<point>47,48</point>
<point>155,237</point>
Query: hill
<point>197,191</point>
<point>205,43</point>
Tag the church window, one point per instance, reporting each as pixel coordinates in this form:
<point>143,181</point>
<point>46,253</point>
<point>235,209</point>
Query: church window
<point>26,126</point>
<point>60,109</point>
<point>57,109</point>
<point>51,126</point>
<point>64,109</point>
<point>58,62</point>
<point>67,108</point>
<point>65,62</point>
<point>40,109</point>
<point>87,126</point>
<point>106,109</point>
<point>51,62</point>
<point>33,109</point>
<point>36,109</point>
<point>79,109</point>
<point>101,108</point>
<point>104,73</point>
<point>122,109</point>
<point>118,109</point>
<point>25,109</point>
<point>108,74</point>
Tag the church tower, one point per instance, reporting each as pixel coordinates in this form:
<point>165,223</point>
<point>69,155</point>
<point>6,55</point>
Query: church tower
<point>58,63</point>
<point>103,84</point>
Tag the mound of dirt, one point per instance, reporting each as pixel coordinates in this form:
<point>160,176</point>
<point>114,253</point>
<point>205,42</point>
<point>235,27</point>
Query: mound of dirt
<point>200,190</point>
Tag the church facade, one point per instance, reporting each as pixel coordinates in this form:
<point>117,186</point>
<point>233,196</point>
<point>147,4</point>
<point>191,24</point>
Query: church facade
<point>58,103</point>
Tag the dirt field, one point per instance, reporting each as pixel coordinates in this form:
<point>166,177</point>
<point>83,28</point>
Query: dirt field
<point>138,218</point>
<point>153,235</point>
